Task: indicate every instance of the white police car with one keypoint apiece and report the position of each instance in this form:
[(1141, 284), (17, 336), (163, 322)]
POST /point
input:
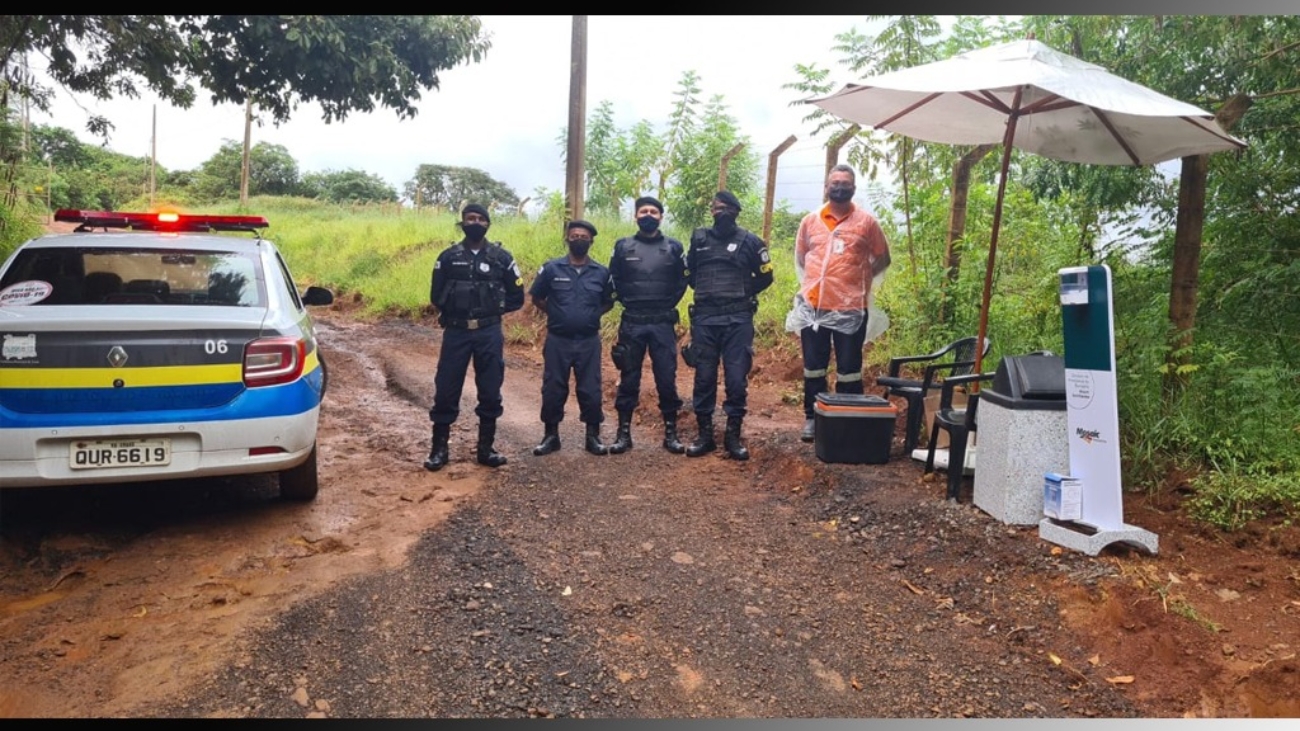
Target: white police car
[(160, 351)]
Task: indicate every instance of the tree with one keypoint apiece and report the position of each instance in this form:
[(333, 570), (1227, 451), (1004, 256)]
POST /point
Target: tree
[(696, 159), (271, 171), (448, 186), (347, 186), (346, 63)]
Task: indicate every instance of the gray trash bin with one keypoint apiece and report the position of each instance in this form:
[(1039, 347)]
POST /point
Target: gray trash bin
[(1022, 436)]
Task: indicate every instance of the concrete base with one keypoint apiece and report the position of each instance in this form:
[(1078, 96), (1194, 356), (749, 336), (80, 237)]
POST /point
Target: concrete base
[(1090, 540), (1020, 446)]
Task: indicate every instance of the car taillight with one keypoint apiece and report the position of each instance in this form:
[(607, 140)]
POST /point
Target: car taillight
[(269, 361)]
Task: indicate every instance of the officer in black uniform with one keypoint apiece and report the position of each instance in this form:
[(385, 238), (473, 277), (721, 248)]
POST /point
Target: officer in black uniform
[(728, 266), (649, 273), (574, 292), (475, 282)]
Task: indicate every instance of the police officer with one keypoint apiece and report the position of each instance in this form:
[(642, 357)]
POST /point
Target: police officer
[(475, 282), (649, 273), (574, 292), (727, 267)]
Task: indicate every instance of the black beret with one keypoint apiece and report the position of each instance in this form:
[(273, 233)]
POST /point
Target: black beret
[(476, 208), (725, 196), (646, 200), (581, 224)]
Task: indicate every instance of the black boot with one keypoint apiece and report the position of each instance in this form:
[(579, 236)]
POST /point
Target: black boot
[(438, 455), (487, 434), (731, 440), (671, 442), (594, 445), (550, 442), (704, 443), (623, 438)]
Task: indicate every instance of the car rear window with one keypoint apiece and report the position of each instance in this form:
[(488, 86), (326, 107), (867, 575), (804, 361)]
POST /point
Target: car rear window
[(100, 276)]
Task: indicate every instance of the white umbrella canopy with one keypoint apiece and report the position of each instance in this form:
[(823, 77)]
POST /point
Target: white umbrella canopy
[(1027, 95)]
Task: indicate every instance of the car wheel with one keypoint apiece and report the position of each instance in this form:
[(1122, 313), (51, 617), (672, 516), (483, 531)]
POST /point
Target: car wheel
[(300, 483), (324, 378)]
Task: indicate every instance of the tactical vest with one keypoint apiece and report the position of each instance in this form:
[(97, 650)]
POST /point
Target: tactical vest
[(721, 273), (472, 292), (650, 275)]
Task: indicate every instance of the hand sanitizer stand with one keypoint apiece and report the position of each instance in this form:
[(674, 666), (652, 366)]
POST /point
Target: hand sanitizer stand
[(1092, 418)]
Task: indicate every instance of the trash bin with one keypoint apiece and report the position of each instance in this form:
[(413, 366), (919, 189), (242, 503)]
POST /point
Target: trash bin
[(1023, 435)]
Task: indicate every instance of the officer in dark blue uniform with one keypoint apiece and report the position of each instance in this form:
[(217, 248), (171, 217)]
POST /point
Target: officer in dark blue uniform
[(649, 273), (475, 282), (574, 292), (728, 266)]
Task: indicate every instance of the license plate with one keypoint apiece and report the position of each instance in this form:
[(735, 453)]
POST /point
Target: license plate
[(120, 453)]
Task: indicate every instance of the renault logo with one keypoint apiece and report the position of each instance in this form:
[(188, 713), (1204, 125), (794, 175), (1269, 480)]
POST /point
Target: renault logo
[(117, 356)]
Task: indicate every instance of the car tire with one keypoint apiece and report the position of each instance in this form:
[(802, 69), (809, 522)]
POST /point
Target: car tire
[(300, 483)]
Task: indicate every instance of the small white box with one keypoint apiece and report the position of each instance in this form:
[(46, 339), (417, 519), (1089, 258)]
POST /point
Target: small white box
[(1062, 496)]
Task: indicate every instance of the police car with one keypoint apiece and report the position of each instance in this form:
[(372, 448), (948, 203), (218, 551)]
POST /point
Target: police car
[(159, 349)]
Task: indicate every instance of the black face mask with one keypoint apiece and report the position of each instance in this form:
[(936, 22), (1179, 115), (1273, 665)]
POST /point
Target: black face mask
[(579, 249), (474, 231), (647, 224), (841, 195), (724, 223)]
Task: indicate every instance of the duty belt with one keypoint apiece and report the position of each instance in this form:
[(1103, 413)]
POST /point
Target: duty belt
[(471, 324), (650, 318), (710, 310)]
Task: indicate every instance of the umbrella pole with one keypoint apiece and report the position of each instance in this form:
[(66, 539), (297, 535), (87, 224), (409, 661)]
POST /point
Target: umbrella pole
[(1007, 139)]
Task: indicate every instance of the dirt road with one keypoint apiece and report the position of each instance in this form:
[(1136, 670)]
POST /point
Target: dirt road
[(635, 585)]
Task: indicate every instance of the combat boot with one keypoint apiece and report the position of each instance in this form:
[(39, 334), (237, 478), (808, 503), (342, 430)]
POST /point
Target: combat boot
[(671, 442), (550, 442), (622, 438), (731, 440), (487, 433), (704, 442), (438, 457), (594, 445)]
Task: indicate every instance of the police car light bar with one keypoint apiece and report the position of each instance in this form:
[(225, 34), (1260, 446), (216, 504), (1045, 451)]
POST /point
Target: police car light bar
[(159, 221)]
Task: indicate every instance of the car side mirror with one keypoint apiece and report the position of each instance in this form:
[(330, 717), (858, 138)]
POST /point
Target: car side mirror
[(317, 296)]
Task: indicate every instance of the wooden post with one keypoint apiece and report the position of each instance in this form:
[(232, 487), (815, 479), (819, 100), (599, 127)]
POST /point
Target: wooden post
[(519, 210), (244, 167), (770, 200), (575, 173), (726, 160), (833, 151), (153, 157)]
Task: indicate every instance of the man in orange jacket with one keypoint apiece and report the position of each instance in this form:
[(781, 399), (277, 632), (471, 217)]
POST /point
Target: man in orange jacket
[(838, 251)]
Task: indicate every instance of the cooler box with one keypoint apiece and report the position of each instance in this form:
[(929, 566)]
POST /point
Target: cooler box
[(853, 428)]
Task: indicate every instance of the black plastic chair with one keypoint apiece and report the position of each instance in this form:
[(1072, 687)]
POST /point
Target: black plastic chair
[(960, 423), (957, 357)]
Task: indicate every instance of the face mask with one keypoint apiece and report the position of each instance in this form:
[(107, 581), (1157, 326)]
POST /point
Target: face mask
[(724, 223), (474, 231), (647, 224), (840, 195), (579, 249)]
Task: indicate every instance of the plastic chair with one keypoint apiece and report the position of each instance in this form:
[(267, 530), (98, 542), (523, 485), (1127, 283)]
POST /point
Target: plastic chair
[(960, 423), (914, 391)]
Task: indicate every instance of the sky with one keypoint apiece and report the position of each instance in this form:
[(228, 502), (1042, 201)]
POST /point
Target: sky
[(506, 114)]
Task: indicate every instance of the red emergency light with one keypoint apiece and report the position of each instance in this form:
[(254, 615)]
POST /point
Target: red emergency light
[(165, 221)]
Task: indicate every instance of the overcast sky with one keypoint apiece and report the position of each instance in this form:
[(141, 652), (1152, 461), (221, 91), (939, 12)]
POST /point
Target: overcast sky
[(505, 114)]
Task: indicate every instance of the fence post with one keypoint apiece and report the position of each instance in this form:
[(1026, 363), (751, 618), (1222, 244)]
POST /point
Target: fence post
[(771, 186), (833, 149), (726, 160)]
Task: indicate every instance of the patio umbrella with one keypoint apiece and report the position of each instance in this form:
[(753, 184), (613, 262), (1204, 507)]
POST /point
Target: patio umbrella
[(1025, 94)]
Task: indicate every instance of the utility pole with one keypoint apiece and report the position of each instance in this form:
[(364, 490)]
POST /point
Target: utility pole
[(153, 157), (243, 170), (575, 173)]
